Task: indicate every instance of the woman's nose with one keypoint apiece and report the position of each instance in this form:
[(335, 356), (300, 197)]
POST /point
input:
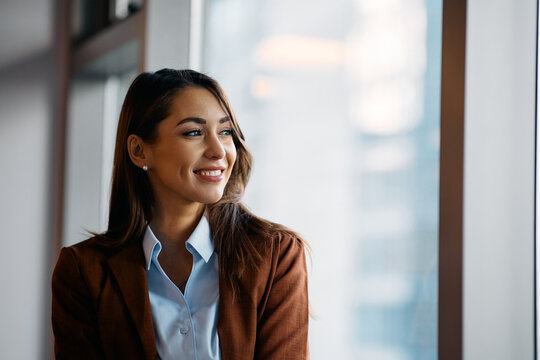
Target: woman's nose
[(214, 147)]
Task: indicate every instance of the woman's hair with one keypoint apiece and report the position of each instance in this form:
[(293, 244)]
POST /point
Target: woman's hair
[(238, 235)]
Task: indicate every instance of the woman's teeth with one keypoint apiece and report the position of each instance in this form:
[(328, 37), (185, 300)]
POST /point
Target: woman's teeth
[(210, 173)]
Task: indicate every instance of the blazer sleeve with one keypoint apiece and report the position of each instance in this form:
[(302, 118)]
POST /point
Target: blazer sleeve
[(74, 319), (283, 327)]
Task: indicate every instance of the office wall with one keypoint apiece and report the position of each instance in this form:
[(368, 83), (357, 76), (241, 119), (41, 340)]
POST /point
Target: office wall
[(26, 128), (499, 180), (167, 34), (25, 145)]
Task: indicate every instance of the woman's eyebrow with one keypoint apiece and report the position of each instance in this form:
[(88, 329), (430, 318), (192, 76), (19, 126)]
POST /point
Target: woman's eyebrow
[(199, 120)]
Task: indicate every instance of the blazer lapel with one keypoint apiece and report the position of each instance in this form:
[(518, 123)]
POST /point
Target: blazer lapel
[(127, 267)]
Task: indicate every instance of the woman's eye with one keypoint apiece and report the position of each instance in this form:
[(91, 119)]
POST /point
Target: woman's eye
[(227, 132), (193, 133)]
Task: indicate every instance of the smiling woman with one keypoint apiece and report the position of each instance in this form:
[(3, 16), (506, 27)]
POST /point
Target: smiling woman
[(184, 269), (193, 154)]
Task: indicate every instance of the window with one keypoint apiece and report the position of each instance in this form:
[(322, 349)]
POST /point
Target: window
[(339, 102)]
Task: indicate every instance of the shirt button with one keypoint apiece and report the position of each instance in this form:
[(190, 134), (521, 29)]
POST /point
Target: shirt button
[(184, 330)]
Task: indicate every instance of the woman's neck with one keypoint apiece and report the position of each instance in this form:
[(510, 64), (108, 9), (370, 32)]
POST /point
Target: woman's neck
[(174, 225)]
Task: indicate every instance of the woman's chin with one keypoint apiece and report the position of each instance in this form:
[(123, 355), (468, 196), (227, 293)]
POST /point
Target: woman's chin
[(210, 199)]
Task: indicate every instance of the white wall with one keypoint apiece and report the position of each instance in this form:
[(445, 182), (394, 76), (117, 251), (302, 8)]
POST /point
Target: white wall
[(499, 180), (84, 133), (26, 104), (25, 128), (167, 34)]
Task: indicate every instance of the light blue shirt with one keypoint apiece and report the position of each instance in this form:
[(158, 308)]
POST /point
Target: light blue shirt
[(185, 324)]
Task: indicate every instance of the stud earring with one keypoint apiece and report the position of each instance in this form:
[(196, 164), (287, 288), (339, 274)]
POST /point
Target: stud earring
[(145, 168)]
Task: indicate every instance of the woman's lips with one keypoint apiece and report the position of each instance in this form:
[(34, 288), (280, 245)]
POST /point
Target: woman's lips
[(210, 175)]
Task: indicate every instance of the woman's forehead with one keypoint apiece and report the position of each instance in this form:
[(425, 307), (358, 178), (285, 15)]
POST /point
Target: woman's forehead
[(197, 101)]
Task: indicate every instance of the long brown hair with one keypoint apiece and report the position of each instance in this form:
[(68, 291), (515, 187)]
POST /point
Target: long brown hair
[(239, 236)]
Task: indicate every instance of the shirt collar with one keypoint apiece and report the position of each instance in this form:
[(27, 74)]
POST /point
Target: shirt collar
[(199, 241)]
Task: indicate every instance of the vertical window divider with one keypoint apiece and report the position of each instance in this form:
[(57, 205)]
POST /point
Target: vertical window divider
[(536, 184), (450, 311)]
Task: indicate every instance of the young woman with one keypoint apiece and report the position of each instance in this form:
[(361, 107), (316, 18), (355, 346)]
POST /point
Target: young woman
[(184, 270)]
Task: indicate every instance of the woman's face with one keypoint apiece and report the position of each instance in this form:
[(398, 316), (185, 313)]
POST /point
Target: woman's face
[(193, 154)]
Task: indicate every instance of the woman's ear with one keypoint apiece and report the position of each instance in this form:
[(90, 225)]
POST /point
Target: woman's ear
[(137, 151)]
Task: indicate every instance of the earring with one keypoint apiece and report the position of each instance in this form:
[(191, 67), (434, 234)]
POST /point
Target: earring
[(145, 168)]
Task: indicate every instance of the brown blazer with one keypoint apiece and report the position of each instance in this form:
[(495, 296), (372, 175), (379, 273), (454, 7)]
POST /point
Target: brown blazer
[(101, 308)]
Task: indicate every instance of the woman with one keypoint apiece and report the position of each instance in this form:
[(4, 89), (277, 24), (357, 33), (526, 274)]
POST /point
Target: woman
[(184, 270)]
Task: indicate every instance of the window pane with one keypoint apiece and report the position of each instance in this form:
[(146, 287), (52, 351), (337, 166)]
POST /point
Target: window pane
[(339, 102)]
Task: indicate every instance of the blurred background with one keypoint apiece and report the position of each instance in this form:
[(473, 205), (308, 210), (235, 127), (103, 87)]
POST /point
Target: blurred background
[(339, 101)]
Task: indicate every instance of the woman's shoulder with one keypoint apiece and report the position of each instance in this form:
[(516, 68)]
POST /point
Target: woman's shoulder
[(281, 234), (92, 252), (284, 245), (282, 258), (91, 259), (285, 239), (77, 264), (95, 246)]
